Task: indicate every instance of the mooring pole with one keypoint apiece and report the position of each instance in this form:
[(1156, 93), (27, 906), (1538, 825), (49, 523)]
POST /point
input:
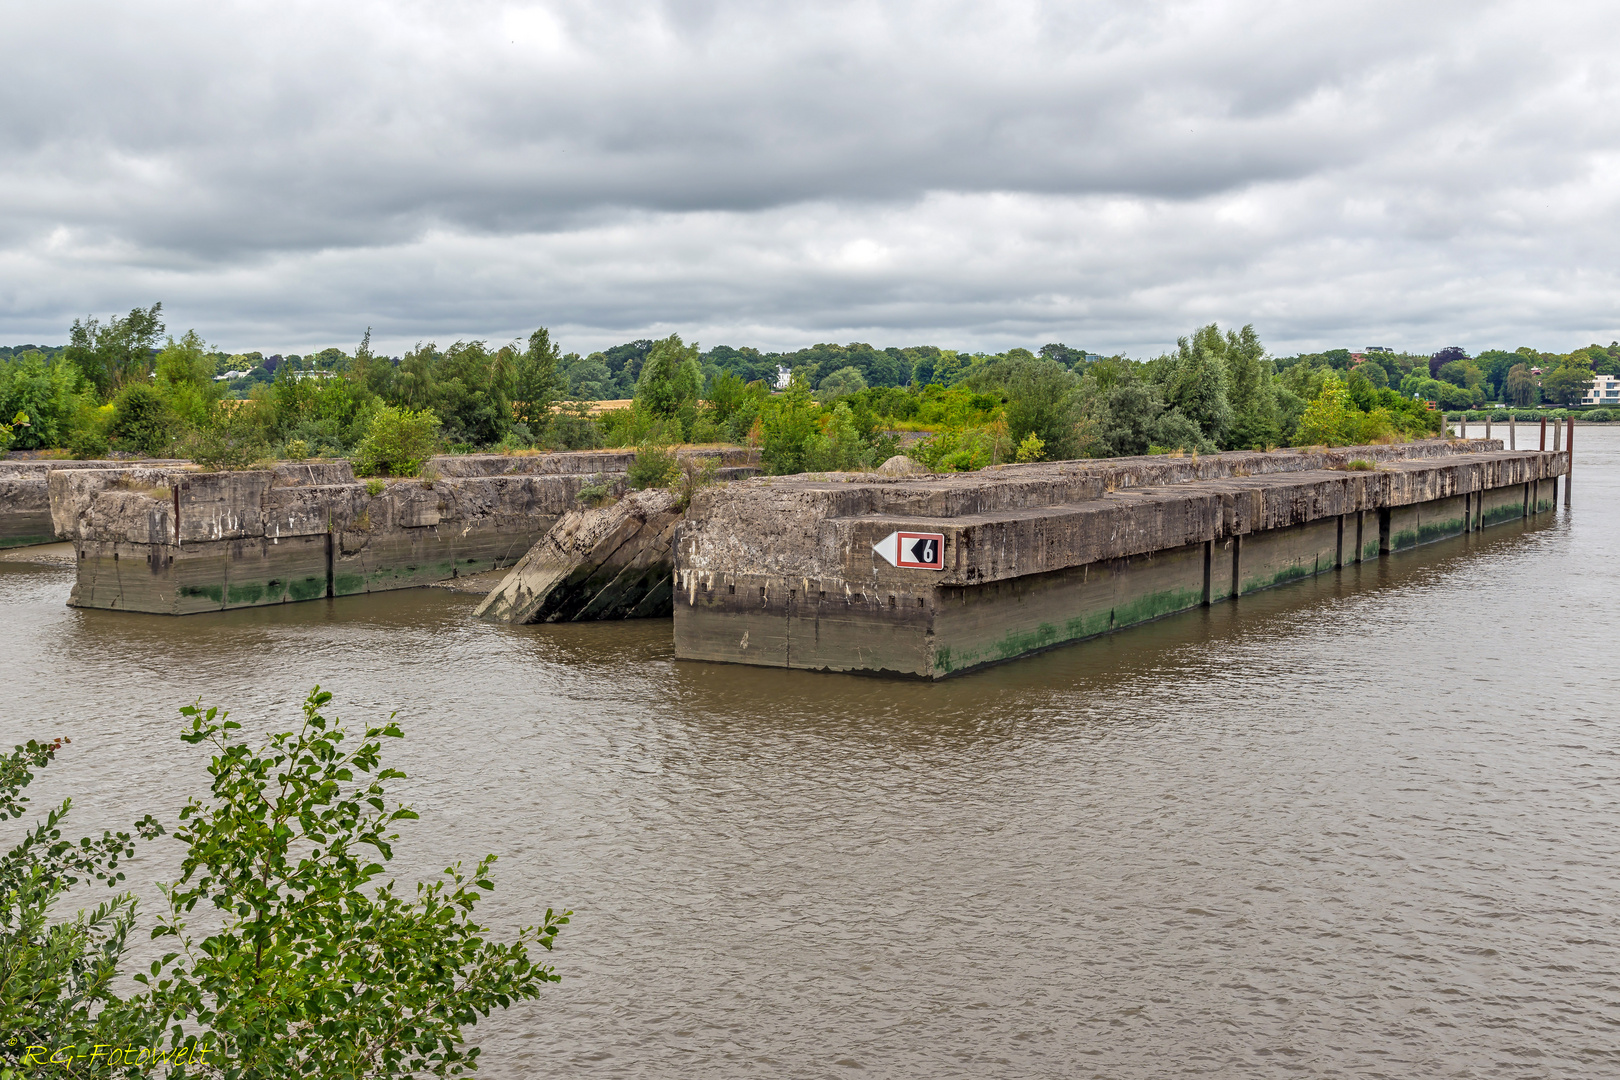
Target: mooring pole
[(1513, 433), (1557, 439), (1543, 433), (1487, 425), (1569, 466)]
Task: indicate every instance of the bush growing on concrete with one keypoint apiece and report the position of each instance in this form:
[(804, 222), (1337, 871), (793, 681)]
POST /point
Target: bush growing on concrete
[(142, 422), (231, 439), (654, 466), (397, 443), (1031, 449), (691, 476)]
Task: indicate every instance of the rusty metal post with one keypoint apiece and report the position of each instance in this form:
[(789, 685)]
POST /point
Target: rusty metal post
[(1569, 466), (1543, 433)]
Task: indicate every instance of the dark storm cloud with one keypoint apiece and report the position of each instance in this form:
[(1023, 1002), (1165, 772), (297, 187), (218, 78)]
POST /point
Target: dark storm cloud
[(981, 173)]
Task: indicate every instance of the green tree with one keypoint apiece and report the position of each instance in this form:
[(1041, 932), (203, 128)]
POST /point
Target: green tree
[(118, 352), (670, 379), (398, 442), (788, 428), (185, 378), (1332, 419), (316, 969), (1519, 387), (535, 381), (47, 392), (841, 383), (1251, 392), (142, 421), (838, 447), (1195, 382), (1463, 373), (56, 977), (1567, 384), (1041, 401), (370, 372), (1125, 421), (1174, 430)]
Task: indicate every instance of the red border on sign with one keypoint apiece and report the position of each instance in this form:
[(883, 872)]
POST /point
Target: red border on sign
[(900, 551)]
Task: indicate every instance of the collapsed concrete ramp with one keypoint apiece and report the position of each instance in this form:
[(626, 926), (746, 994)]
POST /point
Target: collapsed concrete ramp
[(609, 562)]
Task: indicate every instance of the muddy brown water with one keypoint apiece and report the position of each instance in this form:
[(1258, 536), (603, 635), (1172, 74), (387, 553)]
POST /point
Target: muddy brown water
[(1363, 825)]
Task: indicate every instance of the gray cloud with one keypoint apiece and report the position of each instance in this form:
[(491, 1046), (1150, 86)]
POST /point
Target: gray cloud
[(1108, 174)]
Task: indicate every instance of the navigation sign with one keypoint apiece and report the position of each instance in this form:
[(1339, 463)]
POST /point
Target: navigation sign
[(913, 550)]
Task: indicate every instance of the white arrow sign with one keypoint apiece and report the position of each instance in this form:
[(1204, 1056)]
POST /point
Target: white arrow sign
[(913, 550)]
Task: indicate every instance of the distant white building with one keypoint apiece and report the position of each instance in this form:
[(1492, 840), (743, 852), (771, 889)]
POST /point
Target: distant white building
[(1605, 391), (783, 378)]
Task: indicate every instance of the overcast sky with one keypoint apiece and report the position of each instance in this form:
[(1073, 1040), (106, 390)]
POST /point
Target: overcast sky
[(1110, 175)]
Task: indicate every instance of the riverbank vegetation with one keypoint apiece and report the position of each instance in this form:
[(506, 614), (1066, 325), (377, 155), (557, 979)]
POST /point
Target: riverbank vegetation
[(304, 962), (124, 386)]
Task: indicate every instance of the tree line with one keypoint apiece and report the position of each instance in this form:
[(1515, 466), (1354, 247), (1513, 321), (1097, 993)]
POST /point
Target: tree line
[(124, 385)]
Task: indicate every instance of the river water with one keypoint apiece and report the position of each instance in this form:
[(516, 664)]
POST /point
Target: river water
[(1362, 825)]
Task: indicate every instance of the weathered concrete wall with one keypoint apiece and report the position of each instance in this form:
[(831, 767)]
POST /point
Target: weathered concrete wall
[(25, 501), (609, 562), (178, 541), (781, 571)]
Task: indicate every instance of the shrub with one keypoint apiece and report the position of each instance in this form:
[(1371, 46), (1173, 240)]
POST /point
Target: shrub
[(311, 964), (230, 440), (375, 488), (705, 429), (1359, 465), (692, 475), (57, 977), (572, 428), (963, 450), (596, 492), (786, 429), (654, 466), (397, 442), (44, 394), (1031, 449), (91, 423), (838, 446), (142, 423), (841, 383)]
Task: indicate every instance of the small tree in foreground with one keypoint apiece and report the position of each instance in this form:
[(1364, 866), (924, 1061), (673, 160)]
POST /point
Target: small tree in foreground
[(56, 977), (317, 970)]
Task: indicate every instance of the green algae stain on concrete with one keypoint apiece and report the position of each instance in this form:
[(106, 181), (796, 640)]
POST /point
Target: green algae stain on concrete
[(216, 593), (26, 541), (1156, 605), (307, 588), (1496, 515), (1084, 626), (348, 584), (948, 660), (247, 594), (1016, 644), (1292, 572)]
